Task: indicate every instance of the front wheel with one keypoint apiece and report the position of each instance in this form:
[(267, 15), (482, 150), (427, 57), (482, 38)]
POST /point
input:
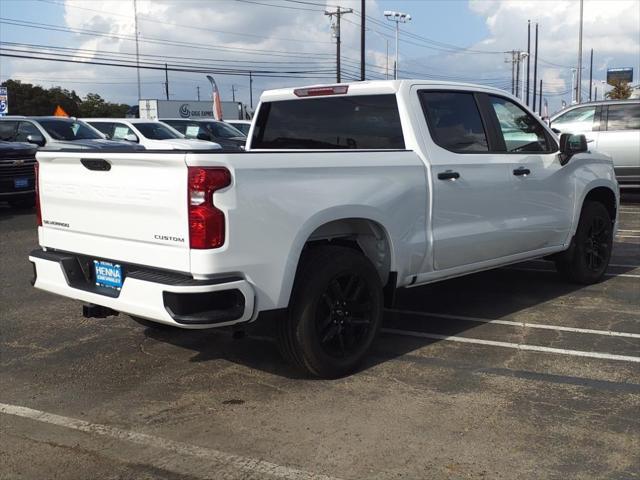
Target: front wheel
[(335, 312), (588, 256)]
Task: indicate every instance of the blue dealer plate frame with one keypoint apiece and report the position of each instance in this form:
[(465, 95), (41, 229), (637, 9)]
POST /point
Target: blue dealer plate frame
[(108, 274)]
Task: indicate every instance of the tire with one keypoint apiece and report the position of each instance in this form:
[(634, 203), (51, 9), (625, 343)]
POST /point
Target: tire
[(588, 257), (23, 203), (335, 312)]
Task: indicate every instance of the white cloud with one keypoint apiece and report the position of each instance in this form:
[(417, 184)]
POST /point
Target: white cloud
[(611, 28)]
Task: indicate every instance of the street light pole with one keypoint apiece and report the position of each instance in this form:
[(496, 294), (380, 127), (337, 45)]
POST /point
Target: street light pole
[(397, 17)]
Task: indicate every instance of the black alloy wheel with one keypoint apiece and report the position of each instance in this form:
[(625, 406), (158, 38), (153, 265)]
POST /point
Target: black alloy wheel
[(344, 316)]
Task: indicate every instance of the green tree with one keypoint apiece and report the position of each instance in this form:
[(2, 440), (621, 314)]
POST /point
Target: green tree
[(28, 99), (93, 105), (620, 91)]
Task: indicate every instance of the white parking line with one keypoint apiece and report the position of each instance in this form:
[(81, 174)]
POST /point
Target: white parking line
[(524, 269), (628, 230), (517, 346), (627, 236), (238, 462), (541, 326)]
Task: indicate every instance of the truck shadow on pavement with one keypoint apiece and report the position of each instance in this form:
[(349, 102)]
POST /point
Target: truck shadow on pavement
[(490, 295)]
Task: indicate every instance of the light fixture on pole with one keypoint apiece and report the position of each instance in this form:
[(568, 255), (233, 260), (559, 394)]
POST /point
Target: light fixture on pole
[(399, 18)]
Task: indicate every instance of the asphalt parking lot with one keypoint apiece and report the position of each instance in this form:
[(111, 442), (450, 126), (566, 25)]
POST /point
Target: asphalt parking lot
[(507, 374)]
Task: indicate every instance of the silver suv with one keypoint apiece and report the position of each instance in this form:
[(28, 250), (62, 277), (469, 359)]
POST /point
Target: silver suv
[(611, 127), (57, 133)]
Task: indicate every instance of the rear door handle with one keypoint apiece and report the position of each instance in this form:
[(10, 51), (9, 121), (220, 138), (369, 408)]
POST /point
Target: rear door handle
[(522, 171), (448, 175)]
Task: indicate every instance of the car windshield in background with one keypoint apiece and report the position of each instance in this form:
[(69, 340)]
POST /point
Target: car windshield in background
[(69, 130), (157, 131), (224, 130), (364, 122)]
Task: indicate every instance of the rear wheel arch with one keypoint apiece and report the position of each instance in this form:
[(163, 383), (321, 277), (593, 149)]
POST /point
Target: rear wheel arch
[(365, 235)]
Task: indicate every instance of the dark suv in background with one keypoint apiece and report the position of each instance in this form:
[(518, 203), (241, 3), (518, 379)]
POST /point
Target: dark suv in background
[(17, 174)]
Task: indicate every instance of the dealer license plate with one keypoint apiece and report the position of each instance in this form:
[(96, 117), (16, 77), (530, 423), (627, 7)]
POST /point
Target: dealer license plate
[(107, 274)]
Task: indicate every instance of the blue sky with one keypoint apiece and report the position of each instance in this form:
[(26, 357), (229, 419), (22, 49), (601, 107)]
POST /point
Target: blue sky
[(612, 28)]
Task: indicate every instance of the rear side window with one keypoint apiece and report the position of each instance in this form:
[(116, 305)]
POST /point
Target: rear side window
[(454, 121), (624, 117), (362, 122)]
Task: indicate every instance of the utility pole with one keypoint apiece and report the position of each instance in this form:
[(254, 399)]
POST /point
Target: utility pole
[(250, 90), (540, 105), (518, 75), (198, 92), (166, 80), (535, 72), (336, 33), (135, 23), (233, 92), (513, 72), (362, 39), (386, 66), (528, 56), (579, 77), (574, 90), (596, 91), (591, 74), (399, 18)]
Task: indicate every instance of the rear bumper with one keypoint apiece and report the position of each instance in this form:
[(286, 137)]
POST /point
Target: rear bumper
[(163, 297)]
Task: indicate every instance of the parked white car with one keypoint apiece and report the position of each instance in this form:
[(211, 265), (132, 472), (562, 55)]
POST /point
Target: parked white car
[(151, 134), (345, 194)]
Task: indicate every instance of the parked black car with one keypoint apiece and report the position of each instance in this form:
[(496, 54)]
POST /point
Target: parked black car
[(17, 174)]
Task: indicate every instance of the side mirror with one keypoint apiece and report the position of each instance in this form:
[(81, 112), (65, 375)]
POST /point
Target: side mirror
[(203, 136), (131, 138), (36, 139), (570, 144)]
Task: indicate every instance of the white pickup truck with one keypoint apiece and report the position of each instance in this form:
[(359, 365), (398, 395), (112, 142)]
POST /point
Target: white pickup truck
[(345, 193)]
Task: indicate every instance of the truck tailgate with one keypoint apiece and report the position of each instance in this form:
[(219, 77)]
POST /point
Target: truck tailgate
[(129, 207)]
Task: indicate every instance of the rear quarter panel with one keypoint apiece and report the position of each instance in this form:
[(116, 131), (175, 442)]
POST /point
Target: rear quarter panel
[(277, 199)]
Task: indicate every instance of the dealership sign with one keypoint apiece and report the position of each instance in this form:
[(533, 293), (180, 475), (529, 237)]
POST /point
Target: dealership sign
[(4, 101), (619, 75)]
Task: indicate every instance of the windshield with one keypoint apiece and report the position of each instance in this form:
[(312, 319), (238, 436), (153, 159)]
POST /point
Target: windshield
[(69, 130), (224, 130), (157, 131)]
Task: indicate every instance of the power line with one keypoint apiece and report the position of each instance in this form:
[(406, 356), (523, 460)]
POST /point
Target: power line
[(153, 40), (192, 27)]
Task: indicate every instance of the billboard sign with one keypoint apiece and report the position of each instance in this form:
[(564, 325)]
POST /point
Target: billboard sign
[(4, 101), (619, 75)]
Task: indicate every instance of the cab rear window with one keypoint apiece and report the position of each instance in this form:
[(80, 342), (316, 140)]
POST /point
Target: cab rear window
[(351, 122)]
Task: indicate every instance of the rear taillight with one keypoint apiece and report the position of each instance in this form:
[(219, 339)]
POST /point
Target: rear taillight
[(206, 222), (37, 180)]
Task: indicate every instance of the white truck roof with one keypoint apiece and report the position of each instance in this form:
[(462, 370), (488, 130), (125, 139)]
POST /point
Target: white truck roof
[(369, 87)]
